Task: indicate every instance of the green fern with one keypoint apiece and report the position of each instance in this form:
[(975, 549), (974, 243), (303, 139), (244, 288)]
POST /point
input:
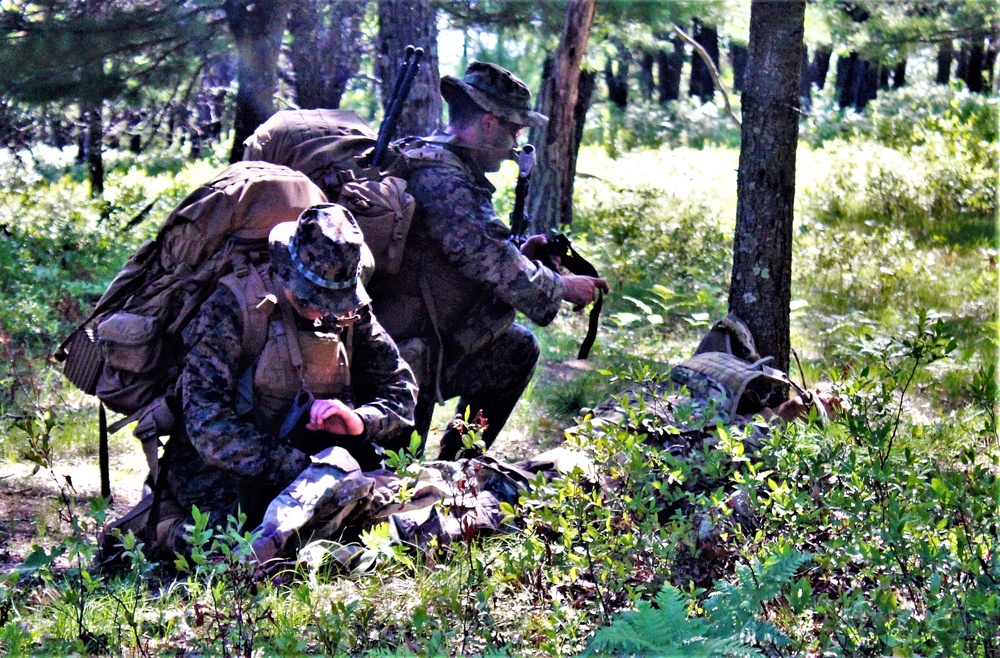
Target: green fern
[(730, 629), (733, 607)]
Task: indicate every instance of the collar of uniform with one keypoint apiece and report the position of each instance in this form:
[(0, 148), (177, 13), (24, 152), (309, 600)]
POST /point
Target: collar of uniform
[(464, 154), (477, 172)]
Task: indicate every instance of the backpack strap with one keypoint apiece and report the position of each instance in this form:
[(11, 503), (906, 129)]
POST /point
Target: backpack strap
[(428, 153), (257, 303)]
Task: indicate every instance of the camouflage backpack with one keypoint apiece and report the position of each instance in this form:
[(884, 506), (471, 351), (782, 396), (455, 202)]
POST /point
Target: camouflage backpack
[(334, 148), (128, 352), (724, 382)]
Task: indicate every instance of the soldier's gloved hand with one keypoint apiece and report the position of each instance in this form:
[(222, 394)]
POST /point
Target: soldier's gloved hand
[(334, 417), (534, 249), (582, 290)]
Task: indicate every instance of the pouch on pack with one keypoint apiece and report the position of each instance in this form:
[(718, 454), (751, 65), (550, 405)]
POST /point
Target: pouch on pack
[(334, 149)]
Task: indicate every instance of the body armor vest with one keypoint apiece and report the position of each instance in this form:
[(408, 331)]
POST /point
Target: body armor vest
[(285, 360)]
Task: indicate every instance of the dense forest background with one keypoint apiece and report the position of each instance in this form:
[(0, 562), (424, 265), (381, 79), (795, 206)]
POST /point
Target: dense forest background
[(872, 534)]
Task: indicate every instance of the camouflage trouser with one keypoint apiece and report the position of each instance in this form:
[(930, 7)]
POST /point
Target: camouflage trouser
[(490, 381), (446, 501)]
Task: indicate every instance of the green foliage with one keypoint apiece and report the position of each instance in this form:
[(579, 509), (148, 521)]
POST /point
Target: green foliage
[(731, 627), (896, 502), (658, 243)]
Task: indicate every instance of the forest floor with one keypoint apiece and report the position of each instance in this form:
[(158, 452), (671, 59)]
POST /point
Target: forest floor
[(32, 505)]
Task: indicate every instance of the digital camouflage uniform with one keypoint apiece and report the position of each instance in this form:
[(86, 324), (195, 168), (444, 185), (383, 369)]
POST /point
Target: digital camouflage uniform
[(459, 287), (229, 453)]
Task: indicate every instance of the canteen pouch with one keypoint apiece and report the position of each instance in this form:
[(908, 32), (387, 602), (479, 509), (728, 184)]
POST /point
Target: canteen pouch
[(130, 342)]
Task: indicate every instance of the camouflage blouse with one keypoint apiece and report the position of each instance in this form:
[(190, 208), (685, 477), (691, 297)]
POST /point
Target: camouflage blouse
[(219, 446)]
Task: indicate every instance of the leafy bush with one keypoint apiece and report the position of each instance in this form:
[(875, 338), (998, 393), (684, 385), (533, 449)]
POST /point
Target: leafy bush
[(906, 117), (644, 125)]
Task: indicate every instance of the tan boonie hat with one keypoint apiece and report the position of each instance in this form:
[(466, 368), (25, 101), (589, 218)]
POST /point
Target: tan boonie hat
[(496, 90), (319, 259)]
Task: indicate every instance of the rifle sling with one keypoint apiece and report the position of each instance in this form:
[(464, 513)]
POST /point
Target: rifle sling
[(577, 264)]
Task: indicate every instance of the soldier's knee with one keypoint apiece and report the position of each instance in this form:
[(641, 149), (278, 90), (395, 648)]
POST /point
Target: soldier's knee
[(523, 345)]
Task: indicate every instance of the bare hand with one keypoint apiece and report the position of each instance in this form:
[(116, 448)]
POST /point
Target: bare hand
[(582, 290), (534, 249), (334, 417)]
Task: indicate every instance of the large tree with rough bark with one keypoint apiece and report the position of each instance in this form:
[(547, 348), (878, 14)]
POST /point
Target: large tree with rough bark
[(761, 284), (257, 27), (326, 48), (550, 201), (402, 23)]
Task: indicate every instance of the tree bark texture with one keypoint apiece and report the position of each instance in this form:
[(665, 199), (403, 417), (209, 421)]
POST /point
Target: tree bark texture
[(974, 68), (702, 85), (820, 65), (899, 74), (670, 64), (761, 284), (617, 80), (325, 50), (646, 85), (944, 57), (92, 113), (585, 93), (402, 23), (550, 201), (94, 148), (257, 27), (805, 82), (738, 55), (857, 81)]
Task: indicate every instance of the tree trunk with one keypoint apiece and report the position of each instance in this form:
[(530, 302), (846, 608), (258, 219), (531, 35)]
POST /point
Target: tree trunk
[(402, 23), (92, 114), (738, 55), (962, 69), (550, 200), (325, 50), (990, 60), (820, 65), (617, 81), (761, 284), (702, 85), (899, 74), (867, 84), (805, 82), (257, 28), (974, 71), (94, 142), (846, 79), (944, 57), (585, 92), (670, 65), (646, 85)]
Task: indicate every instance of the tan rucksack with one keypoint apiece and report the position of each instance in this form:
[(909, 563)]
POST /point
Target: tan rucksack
[(128, 352), (334, 149)]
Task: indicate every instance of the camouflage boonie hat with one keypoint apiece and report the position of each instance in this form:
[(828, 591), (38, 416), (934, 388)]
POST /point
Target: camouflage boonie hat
[(318, 259), (496, 90)]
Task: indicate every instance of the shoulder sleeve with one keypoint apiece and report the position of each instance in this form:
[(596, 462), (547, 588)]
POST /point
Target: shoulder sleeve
[(461, 220), (208, 388), (384, 385)]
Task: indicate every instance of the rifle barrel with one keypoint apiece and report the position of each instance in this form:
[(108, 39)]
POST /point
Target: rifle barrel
[(401, 89)]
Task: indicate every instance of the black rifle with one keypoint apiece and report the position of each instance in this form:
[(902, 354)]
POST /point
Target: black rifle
[(556, 244), (400, 90)]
